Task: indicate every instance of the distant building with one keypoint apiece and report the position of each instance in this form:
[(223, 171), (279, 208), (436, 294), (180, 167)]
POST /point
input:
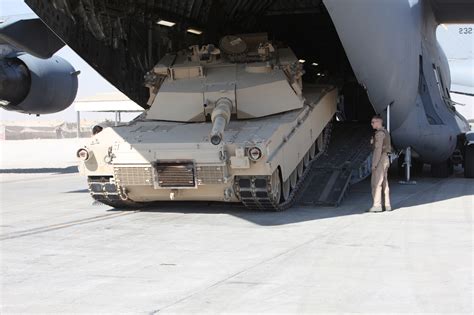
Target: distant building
[(114, 102)]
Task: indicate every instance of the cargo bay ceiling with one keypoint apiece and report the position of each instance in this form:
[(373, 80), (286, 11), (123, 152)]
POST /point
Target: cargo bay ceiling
[(122, 40)]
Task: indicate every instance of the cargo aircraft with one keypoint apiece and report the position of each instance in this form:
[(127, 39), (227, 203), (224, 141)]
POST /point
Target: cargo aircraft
[(383, 56)]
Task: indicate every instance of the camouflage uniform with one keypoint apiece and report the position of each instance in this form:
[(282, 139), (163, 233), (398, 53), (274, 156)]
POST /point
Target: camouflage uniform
[(380, 164)]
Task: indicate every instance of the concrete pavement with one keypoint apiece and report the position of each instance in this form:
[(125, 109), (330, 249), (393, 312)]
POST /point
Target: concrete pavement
[(62, 254)]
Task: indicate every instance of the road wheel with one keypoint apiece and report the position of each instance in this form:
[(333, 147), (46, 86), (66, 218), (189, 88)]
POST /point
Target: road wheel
[(286, 189), (300, 169), (306, 159), (312, 151), (293, 178), (320, 142), (275, 188)]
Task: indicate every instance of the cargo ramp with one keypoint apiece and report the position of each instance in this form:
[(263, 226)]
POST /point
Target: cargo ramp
[(347, 160)]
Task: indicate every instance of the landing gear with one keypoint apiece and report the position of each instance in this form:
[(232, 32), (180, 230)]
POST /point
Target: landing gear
[(469, 162), (443, 169), (407, 164), (416, 166)]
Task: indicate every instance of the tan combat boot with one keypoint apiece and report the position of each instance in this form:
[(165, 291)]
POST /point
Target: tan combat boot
[(376, 209)]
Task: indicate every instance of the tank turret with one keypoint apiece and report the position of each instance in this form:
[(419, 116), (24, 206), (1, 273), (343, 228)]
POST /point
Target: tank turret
[(259, 79)]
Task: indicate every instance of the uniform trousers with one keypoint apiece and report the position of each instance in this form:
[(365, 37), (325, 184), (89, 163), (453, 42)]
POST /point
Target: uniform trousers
[(379, 182)]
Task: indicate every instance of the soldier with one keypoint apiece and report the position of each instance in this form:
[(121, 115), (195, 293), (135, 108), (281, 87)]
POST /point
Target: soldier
[(380, 163)]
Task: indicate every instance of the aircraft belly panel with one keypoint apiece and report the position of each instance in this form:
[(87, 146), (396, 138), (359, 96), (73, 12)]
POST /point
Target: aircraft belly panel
[(382, 43)]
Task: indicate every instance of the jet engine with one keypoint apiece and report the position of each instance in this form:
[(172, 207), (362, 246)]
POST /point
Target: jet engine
[(37, 86)]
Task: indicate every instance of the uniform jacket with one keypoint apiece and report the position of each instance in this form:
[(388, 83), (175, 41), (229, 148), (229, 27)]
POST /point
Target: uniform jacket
[(382, 146)]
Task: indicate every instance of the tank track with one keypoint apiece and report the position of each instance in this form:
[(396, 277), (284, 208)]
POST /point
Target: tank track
[(255, 191), (103, 191)]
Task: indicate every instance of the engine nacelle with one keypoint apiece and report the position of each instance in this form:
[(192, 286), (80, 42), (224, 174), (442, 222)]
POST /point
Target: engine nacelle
[(37, 86)]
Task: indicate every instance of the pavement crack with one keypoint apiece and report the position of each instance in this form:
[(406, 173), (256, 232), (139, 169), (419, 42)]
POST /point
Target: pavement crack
[(283, 253), (59, 226), (418, 193)]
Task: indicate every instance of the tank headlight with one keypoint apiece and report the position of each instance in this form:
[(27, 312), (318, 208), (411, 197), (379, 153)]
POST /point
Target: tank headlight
[(255, 153), (83, 154)]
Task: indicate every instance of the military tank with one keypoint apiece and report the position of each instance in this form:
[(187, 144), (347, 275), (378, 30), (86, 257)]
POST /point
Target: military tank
[(228, 123)]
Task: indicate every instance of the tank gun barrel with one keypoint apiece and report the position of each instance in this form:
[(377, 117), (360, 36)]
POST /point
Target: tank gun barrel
[(220, 118)]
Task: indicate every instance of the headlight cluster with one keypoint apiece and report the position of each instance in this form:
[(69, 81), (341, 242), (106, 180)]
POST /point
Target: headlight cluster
[(254, 153), (83, 154)]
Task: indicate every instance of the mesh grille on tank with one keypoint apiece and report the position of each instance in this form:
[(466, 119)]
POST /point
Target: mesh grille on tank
[(175, 174), (210, 174), (133, 176)]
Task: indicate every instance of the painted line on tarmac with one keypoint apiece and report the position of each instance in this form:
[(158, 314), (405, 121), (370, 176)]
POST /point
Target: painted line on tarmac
[(59, 226)]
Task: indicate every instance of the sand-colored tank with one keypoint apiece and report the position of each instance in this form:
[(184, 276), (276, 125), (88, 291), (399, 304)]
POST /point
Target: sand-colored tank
[(229, 124)]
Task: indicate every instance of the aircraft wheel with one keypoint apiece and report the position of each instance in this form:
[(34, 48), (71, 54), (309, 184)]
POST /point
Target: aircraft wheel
[(469, 162), (442, 170)]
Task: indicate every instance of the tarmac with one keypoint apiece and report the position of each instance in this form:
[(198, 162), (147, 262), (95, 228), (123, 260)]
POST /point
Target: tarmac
[(60, 253)]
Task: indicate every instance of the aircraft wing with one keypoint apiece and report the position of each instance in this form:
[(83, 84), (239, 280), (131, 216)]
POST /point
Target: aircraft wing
[(462, 79), (462, 89), (453, 11), (31, 36)]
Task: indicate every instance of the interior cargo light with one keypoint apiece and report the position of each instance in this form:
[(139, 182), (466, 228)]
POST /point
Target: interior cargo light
[(166, 23), (83, 154), (194, 31), (302, 61), (255, 154), (315, 64)]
